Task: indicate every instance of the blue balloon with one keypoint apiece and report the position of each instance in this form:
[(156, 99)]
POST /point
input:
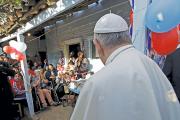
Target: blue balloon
[(163, 15)]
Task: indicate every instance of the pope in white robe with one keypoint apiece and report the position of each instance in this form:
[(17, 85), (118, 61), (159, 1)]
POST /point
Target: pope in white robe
[(130, 86)]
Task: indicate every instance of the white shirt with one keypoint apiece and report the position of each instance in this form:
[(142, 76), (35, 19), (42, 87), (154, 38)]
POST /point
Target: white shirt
[(130, 87)]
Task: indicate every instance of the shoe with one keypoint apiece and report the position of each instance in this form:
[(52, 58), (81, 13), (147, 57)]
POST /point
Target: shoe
[(44, 105), (54, 104)]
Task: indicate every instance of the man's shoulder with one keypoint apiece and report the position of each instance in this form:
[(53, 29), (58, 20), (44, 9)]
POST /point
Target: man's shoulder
[(106, 73)]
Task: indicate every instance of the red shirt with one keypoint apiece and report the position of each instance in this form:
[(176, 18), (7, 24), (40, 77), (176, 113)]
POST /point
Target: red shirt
[(17, 86), (60, 68), (31, 72)]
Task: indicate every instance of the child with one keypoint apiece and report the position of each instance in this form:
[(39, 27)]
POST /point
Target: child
[(18, 85), (70, 67), (60, 68), (72, 75)]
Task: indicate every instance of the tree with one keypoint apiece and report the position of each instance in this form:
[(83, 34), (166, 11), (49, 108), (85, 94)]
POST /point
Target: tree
[(15, 3)]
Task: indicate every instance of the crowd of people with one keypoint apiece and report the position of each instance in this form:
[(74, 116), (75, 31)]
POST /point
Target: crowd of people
[(46, 78)]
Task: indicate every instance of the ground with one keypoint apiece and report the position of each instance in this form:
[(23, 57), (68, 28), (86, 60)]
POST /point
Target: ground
[(54, 113)]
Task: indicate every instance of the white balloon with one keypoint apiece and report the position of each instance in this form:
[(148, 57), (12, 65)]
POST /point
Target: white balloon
[(13, 43), (13, 55), (19, 46)]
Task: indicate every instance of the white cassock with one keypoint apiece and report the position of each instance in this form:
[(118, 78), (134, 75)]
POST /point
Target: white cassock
[(130, 87)]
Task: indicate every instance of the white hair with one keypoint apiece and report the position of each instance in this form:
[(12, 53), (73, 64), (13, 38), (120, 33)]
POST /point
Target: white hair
[(113, 39)]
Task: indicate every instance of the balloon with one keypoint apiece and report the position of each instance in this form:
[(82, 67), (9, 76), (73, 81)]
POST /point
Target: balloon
[(20, 56), (165, 43), (13, 43), (13, 55), (20, 46), (8, 49), (163, 16)]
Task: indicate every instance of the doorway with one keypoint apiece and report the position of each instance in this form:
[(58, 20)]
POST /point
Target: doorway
[(43, 56), (75, 48)]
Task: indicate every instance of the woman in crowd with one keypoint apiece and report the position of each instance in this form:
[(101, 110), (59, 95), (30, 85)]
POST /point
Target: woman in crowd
[(71, 57), (70, 67), (61, 60), (45, 63), (31, 71), (41, 85), (36, 66), (17, 85), (72, 75), (51, 74), (81, 65), (60, 68)]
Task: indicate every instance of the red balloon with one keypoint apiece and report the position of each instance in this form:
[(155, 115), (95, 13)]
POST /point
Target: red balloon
[(20, 56), (8, 49), (179, 32), (131, 17), (165, 43)]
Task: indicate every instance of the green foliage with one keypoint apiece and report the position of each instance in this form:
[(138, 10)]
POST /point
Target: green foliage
[(17, 2), (11, 2)]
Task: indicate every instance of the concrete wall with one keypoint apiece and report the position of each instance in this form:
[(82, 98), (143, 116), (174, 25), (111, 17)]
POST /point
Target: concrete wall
[(81, 26), (34, 45)]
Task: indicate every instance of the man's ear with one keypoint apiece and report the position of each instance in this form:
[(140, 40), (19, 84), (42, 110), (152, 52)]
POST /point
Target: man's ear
[(96, 44), (98, 47)]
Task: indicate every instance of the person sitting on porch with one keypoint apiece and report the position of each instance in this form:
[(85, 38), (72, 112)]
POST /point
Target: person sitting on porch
[(70, 67), (36, 66), (17, 85), (42, 88), (71, 57), (51, 74), (81, 65), (60, 68), (45, 63), (72, 75)]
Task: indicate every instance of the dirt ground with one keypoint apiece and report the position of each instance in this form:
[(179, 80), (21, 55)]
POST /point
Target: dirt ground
[(54, 113)]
